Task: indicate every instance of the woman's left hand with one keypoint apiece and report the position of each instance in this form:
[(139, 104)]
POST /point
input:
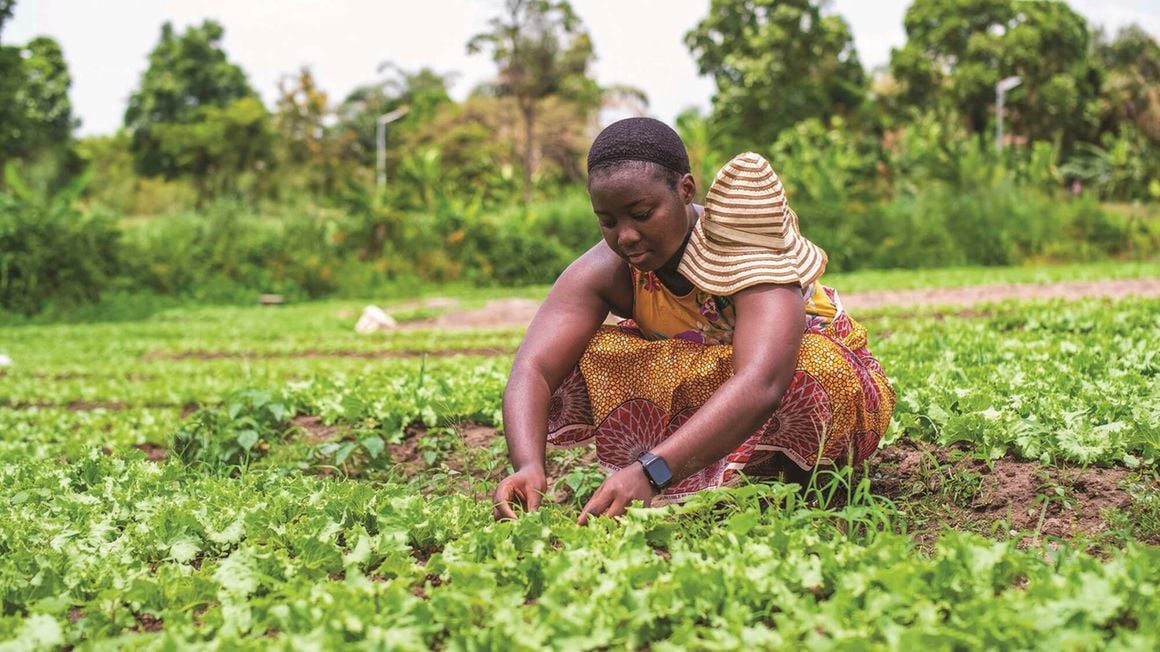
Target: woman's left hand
[(617, 492)]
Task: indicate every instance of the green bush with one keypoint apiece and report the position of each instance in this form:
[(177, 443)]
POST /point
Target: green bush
[(230, 254), (1003, 224), (51, 252)]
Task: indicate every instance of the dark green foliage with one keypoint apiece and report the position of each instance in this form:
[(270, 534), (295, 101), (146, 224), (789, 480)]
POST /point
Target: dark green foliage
[(50, 251), (1131, 85), (230, 254), (776, 63), (957, 50), (6, 8), (235, 433), (35, 111), (194, 112), (944, 226)]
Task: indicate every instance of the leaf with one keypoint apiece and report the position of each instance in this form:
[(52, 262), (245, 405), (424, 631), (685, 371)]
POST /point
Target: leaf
[(344, 452), (374, 446), (247, 439), (184, 550), (278, 411)]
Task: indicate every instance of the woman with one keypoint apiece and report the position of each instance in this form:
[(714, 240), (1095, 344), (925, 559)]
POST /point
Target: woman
[(732, 356)]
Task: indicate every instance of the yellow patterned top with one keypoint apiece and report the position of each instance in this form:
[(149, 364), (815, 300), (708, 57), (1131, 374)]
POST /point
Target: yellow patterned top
[(703, 317)]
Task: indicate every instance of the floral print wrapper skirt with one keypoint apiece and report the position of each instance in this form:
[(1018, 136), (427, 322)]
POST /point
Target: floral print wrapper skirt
[(629, 393)]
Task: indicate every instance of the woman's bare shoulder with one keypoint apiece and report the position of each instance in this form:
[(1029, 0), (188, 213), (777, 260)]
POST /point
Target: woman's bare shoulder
[(598, 274)]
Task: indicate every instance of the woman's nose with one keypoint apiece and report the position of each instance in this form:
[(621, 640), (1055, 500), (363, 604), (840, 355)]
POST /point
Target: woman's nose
[(626, 237)]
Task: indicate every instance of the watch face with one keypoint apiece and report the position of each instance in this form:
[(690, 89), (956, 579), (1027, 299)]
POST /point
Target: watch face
[(663, 476), (657, 471)]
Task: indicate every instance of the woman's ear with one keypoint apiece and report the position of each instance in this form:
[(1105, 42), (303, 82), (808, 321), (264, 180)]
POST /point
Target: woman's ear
[(687, 187)]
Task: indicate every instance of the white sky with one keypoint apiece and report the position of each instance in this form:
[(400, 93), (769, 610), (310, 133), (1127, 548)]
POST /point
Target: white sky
[(638, 42)]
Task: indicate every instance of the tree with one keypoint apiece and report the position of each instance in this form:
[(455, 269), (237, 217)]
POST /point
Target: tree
[(957, 50), (6, 9), (35, 111), (188, 78), (1131, 88), (776, 63), (541, 50), (423, 91), (311, 152), (44, 94), (216, 149)]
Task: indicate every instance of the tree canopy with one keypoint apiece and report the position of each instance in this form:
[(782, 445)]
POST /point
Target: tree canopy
[(188, 74), (957, 50), (776, 63), (1131, 90), (35, 110), (541, 50)]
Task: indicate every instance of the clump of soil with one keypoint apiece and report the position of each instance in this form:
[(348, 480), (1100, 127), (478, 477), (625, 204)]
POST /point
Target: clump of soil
[(316, 431), (155, 452)]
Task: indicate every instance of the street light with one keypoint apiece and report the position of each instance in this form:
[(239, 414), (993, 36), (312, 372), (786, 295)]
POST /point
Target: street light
[(381, 142), (1001, 91)]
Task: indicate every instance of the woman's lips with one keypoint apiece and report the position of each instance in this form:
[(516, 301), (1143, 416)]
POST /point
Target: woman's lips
[(637, 256)]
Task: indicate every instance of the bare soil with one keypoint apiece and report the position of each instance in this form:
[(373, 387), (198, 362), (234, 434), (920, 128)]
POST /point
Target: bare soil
[(518, 313), (316, 431), (312, 354), (501, 313), (155, 452), (952, 488), (968, 296)]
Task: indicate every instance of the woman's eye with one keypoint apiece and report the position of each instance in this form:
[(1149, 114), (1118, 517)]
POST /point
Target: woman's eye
[(642, 216)]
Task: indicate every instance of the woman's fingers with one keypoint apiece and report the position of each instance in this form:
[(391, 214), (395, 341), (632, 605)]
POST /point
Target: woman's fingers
[(618, 507), (596, 505), (534, 498), (503, 497)]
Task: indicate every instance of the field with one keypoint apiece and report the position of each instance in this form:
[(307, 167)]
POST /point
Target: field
[(264, 477)]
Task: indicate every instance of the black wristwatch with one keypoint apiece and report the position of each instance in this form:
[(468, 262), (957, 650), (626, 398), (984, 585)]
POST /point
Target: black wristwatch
[(656, 470)]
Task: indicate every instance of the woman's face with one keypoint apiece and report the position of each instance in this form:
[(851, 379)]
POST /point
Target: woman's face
[(642, 219)]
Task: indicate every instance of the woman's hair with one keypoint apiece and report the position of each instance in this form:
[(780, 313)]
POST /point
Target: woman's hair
[(642, 144)]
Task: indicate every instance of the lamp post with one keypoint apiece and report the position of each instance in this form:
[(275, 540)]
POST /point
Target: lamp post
[(1001, 92), (381, 142)]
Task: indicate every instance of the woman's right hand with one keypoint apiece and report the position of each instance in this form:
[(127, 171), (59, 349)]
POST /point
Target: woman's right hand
[(525, 487)]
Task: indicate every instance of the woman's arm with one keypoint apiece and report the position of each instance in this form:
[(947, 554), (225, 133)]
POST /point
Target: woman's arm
[(577, 305), (766, 341)]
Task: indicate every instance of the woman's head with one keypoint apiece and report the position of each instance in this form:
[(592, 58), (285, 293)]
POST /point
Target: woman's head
[(641, 189)]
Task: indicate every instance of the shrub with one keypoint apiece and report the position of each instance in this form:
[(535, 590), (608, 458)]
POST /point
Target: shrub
[(51, 252), (230, 254)]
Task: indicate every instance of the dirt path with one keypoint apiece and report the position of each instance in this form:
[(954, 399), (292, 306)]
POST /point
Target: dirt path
[(518, 313), (969, 296)]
